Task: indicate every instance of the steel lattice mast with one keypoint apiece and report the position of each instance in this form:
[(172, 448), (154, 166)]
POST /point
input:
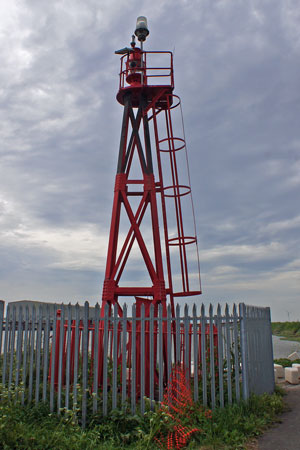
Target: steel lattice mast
[(146, 94)]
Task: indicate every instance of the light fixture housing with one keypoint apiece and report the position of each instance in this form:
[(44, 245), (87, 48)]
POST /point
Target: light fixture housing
[(141, 30)]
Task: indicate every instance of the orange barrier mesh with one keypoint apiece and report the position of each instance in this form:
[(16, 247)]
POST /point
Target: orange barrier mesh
[(177, 404)]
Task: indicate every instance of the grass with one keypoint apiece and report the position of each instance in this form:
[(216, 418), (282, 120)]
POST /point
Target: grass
[(285, 362), (288, 330), (34, 427), (290, 338)]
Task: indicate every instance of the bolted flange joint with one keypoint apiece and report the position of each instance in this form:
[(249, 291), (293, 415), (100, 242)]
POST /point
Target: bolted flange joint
[(149, 184), (159, 290), (108, 290), (121, 181)]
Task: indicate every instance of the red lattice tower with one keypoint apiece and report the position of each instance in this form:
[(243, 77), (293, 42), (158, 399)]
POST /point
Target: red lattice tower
[(148, 189)]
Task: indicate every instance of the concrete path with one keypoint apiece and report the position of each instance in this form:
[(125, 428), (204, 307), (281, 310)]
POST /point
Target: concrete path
[(285, 435)]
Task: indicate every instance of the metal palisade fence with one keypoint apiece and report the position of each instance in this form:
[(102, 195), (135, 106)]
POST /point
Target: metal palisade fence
[(76, 359)]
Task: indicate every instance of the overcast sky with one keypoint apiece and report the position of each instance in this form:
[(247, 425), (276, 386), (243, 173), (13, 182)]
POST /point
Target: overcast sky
[(237, 71)]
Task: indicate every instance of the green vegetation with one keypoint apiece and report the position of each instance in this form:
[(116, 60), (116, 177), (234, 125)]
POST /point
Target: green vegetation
[(289, 330), (285, 362), (33, 427)]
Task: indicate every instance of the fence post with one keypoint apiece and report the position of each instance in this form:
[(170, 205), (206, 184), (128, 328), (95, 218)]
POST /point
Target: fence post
[(96, 358), (105, 352), (228, 354), (31, 357), (60, 357), (142, 360), (195, 343), (151, 355), (38, 354), (133, 361), (85, 349), (19, 345), (244, 350), (169, 342), (270, 349), (5, 349), (220, 356), (124, 365), (46, 353), (53, 359), (12, 347), (68, 363), (160, 354), (186, 362), (178, 337), (236, 354), (212, 358), (115, 356), (203, 355), (76, 356), (1, 323), (25, 351)]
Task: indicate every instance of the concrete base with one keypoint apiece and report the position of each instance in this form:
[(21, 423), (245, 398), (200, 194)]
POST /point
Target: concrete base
[(294, 356), (297, 366), (291, 375), (279, 370)]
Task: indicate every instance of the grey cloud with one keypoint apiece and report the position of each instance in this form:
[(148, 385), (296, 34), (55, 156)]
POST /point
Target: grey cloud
[(237, 71)]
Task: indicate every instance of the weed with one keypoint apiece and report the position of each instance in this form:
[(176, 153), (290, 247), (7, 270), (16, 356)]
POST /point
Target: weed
[(287, 329), (285, 362), (35, 427)]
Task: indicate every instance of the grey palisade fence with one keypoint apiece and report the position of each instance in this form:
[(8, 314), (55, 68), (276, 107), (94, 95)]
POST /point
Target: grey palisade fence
[(72, 357)]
